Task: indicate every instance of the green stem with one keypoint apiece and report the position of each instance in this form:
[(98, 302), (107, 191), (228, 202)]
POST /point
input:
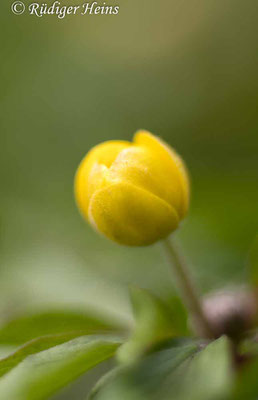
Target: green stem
[(190, 298)]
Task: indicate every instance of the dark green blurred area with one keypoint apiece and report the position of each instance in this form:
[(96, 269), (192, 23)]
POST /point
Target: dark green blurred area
[(187, 71)]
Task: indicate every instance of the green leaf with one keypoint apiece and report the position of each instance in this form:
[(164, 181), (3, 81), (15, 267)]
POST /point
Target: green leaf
[(179, 315), (33, 347), (178, 373), (155, 321), (207, 376), (104, 381), (248, 347), (143, 379), (28, 327), (246, 386), (252, 262), (42, 374)]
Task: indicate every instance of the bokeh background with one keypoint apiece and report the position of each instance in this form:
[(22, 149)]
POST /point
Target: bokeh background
[(187, 71)]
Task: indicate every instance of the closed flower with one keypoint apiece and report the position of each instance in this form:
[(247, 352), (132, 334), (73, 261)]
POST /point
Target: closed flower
[(133, 193)]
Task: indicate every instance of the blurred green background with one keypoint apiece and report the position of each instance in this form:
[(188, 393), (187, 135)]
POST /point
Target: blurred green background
[(187, 71)]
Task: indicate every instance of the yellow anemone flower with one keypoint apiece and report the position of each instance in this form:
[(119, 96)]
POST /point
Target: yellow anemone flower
[(133, 193)]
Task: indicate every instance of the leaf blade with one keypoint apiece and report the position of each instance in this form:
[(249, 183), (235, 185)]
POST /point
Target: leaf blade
[(32, 347), (43, 374), (142, 380), (53, 322), (156, 321)]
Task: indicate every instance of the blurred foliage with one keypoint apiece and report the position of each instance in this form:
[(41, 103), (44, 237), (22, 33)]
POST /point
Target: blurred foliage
[(186, 71), (172, 374), (30, 327), (44, 373), (145, 379), (252, 262), (246, 386), (155, 322), (33, 347)]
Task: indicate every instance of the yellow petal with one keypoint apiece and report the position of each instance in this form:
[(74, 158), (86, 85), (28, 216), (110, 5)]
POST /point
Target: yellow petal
[(130, 215), (144, 168), (92, 169), (173, 162)]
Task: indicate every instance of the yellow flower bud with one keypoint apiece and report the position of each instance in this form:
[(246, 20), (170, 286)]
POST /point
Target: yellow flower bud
[(133, 193)]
